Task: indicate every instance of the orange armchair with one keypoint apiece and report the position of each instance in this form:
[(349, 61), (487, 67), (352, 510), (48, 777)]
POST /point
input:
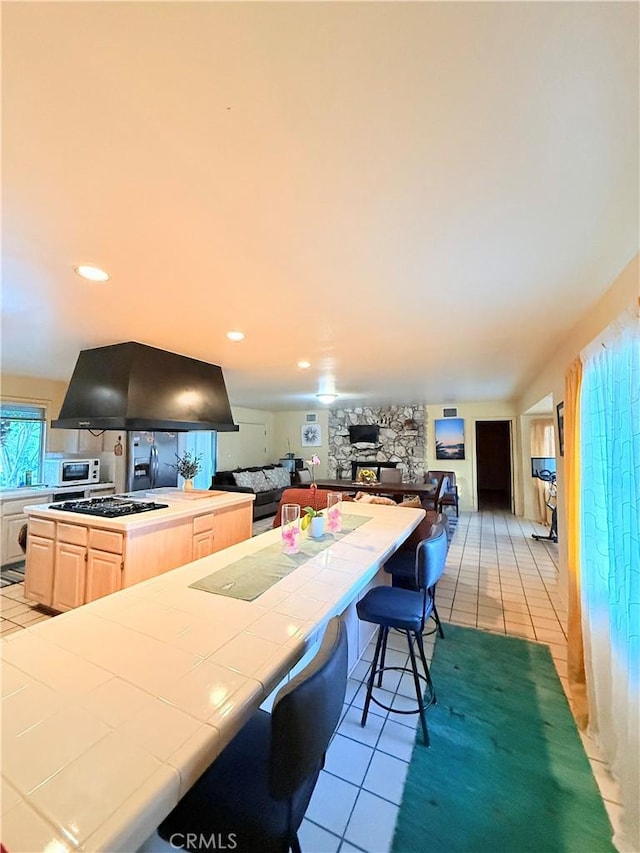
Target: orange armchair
[(303, 497)]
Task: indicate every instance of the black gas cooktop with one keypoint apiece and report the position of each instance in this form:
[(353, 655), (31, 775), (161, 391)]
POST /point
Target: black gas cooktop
[(108, 507)]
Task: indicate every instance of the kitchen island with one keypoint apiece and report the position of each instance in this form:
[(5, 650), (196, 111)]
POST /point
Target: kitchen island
[(74, 558), (112, 711), (13, 516)]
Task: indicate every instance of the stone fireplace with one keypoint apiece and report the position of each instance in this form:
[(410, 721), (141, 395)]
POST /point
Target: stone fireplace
[(401, 440)]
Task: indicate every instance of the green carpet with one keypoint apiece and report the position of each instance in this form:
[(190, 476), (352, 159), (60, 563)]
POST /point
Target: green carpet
[(506, 770)]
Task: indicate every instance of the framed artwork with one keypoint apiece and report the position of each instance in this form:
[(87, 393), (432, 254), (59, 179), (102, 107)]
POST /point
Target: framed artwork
[(449, 434), (560, 414), (311, 418), (310, 435)]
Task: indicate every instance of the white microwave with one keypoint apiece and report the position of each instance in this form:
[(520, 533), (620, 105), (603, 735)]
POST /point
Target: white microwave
[(71, 472)]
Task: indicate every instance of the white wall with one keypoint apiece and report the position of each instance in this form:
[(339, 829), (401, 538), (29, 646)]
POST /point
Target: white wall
[(288, 436), (252, 445), (466, 469), (624, 293)]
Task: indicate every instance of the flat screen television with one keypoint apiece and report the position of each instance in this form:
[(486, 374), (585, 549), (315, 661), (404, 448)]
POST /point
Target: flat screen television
[(364, 433), (542, 463)]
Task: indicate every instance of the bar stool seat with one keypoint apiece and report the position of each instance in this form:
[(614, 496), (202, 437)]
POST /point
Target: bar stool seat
[(406, 610), (392, 607)]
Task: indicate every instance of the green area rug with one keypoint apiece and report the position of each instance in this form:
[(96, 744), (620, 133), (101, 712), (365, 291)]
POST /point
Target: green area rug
[(506, 770)]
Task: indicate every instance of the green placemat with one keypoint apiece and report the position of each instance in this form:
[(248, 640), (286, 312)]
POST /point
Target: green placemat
[(254, 574)]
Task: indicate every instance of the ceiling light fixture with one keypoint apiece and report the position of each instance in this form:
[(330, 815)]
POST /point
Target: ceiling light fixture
[(304, 365), (326, 398), (91, 273), (235, 336)]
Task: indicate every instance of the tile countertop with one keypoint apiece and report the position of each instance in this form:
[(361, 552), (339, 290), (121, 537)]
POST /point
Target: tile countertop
[(37, 491), (110, 712), (176, 508)]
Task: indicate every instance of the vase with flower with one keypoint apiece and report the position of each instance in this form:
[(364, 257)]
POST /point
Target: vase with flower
[(314, 517), (188, 465)]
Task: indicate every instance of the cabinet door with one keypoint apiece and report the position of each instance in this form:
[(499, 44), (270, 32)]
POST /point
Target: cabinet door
[(233, 525), (203, 544), (104, 574), (39, 569), (11, 525), (69, 576)]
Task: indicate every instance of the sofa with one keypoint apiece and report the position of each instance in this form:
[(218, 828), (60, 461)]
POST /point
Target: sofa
[(266, 482)]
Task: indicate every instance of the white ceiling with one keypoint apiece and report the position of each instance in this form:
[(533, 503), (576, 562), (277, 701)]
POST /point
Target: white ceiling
[(418, 198)]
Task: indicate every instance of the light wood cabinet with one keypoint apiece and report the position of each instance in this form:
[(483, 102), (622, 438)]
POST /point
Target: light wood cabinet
[(104, 574), (232, 526), (69, 576), (203, 544), (41, 560), (13, 516), (71, 564), (203, 535)]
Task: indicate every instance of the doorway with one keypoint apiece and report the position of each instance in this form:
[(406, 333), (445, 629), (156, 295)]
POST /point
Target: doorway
[(493, 456)]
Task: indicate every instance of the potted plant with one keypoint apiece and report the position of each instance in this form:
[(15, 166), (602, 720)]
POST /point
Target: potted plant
[(313, 518), (188, 465)]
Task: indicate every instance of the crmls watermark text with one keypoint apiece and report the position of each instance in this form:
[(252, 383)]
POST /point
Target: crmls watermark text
[(200, 841)]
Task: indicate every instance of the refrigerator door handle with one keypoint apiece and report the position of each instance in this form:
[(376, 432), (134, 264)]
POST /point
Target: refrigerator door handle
[(154, 466)]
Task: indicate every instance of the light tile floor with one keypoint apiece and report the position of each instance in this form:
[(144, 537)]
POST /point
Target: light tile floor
[(497, 579)]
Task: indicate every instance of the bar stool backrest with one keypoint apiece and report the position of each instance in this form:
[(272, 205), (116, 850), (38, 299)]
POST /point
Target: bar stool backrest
[(431, 557), (306, 713)]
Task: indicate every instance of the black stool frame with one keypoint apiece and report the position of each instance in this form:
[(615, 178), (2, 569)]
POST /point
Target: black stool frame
[(381, 649)]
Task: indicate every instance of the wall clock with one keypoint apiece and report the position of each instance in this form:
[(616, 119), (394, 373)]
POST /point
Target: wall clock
[(311, 435)]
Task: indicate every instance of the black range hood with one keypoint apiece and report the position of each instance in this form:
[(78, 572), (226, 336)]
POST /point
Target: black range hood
[(132, 386)]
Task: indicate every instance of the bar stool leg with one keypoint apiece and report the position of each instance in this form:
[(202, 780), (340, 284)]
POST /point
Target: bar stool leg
[(384, 653), (435, 614), (372, 675), (416, 681), (427, 674)]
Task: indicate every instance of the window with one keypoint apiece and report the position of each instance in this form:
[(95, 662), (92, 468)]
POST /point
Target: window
[(22, 436)]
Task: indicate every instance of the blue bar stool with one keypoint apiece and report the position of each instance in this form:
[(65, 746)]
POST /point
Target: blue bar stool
[(402, 568), (406, 610), (255, 794)]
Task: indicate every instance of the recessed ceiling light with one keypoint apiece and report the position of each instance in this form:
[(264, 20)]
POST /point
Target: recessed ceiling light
[(235, 336), (305, 365), (326, 398), (92, 273)]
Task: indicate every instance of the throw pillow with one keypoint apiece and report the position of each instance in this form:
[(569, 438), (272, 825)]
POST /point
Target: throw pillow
[(415, 501), (365, 498), (259, 482), (278, 478), (243, 478)]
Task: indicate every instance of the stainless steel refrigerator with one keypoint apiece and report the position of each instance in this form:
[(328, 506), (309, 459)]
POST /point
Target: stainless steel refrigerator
[(150, 457)]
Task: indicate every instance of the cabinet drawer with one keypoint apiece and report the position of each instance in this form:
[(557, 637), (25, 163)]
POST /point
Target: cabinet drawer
[(203, 523), (106, 540), (72, 533), (41, 527)]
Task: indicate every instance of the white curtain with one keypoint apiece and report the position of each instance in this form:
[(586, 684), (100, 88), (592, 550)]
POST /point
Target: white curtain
[(542, 438), (610, 556)]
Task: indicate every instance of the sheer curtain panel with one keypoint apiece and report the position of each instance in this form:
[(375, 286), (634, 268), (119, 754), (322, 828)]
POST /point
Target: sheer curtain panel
[(610, 556)]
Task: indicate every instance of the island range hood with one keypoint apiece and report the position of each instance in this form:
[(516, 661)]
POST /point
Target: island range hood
[(132, 386)]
